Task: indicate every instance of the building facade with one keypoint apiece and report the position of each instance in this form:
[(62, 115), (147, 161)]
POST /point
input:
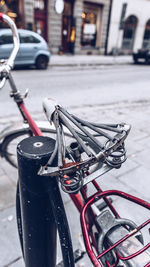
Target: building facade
[(135, 32), (81, 28)]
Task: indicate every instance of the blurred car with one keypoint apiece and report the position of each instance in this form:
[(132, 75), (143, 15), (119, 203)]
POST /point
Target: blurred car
[(33, 48), (142, 54)]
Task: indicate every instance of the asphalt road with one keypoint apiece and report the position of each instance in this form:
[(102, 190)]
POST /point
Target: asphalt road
[(74, 87)]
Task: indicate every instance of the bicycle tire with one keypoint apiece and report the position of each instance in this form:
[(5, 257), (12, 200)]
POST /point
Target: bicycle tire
[(10, 142)]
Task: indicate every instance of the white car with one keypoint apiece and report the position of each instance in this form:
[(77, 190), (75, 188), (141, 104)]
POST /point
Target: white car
[(33, 48)]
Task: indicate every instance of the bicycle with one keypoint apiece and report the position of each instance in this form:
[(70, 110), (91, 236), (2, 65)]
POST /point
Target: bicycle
[(43, 162)]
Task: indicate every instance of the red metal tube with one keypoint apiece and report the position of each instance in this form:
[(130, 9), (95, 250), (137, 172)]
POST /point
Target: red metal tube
[(1, 16), (32, 124), (107, 201), (93, 199), (123, 239), (134, 254), (77, 200)]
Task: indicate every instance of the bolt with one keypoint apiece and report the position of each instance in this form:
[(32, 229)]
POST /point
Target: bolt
[(38, 144)]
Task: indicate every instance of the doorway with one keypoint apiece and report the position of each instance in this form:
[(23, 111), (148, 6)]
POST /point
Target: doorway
[(40, 18), (68, 28)]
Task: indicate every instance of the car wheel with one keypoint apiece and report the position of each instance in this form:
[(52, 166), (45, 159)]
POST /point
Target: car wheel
[(135, 60), (146, 60), (41, 62)]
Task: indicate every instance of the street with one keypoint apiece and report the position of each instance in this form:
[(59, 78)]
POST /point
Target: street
[(99, 94), (75, 87)]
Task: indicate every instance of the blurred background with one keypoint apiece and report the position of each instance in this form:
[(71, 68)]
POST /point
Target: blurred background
[(84, 27)]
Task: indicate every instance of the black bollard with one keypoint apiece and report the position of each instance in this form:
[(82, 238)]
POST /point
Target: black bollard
[(37, 220), (40, 207)]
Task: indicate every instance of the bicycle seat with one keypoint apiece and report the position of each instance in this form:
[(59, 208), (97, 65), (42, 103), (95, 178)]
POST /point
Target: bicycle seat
[(106, 141)]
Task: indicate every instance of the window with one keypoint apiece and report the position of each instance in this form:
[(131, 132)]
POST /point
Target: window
[(29, 39), (129, 33), (146, 40), (88, 36), (6, 39), (39, 4), (91, 25)]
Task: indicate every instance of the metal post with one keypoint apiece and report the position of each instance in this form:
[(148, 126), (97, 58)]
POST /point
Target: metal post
[(37, 219), (42, 210), (62, 224)]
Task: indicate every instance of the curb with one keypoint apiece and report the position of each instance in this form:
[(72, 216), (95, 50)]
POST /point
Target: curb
[(89, 64), (81, 61)]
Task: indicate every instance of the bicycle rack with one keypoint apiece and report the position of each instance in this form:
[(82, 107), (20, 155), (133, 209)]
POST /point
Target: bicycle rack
[(98, 259)]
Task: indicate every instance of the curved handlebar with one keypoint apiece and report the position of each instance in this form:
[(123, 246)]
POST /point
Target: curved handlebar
[(7, 65)]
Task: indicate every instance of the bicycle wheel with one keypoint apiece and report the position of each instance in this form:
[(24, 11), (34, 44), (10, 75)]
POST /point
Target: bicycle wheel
[(11, 141)]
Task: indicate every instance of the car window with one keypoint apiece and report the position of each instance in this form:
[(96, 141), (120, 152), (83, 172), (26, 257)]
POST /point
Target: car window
[(6, 39), (29, 39)]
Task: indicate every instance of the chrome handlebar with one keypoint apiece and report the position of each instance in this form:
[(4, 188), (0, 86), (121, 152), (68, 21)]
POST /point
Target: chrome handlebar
[(7, 65)]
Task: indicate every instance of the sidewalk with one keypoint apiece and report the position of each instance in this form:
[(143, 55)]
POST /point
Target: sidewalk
[(88, 60), (132, 177)]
